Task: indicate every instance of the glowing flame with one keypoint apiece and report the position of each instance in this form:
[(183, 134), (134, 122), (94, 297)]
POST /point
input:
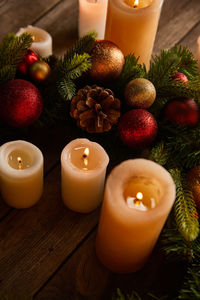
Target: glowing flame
[(139, 196), (85, 156), (19, 159), (136, 3)]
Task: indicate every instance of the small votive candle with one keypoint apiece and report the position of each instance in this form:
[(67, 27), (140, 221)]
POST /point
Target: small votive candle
[(138, 197), (132, 25), (42, 40), (21, 170), (92, 16), (83, 169)]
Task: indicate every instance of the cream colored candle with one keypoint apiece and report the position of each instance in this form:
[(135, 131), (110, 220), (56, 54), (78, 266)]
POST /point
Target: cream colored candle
[(198, 52), (42, 40), (132, 25), (83, 169), (138, 197), (92, 16), (21, 170)]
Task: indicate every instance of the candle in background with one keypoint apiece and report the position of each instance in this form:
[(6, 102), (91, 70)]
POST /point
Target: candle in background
[(138, 197), (83, 169), (198, 52), (132, 25), (92, 16), (21, 172), (42, 40)]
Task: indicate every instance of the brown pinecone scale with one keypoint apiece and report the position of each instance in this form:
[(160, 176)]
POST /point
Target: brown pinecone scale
[(95, 109)]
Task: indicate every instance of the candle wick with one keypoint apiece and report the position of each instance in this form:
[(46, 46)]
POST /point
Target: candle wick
[(84, 156)]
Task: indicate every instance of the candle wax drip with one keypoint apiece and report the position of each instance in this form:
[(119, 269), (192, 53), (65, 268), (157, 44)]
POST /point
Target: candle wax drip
[(141, 193), (19, 160)]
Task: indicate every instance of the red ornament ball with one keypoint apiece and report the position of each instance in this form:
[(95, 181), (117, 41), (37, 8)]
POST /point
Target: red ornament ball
[(182, 111), (137, 128), (27, 61), (20, 103), (180, 77)]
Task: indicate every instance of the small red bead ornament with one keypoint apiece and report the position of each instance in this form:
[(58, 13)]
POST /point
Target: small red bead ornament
[(27, 61), (182, 111), (137, 128), (180, 77)]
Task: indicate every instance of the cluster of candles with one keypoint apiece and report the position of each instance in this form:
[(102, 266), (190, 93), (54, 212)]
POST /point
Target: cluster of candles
[(138, 196)]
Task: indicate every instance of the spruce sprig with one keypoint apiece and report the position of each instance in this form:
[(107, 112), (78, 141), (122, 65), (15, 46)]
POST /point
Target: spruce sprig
[(185, 212)]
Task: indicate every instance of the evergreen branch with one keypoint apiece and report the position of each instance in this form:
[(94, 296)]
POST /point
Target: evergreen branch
[(120, 296), (159, 154), (66, 88), (185, 212), (191, 288), (7, 73), (77, 65)]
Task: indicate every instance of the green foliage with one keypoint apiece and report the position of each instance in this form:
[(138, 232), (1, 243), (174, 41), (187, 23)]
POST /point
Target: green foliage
[(12, 50), (133, 296), (185, 212), (191, 287)]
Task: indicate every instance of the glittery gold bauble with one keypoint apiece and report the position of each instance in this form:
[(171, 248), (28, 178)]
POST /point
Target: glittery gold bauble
[(39, 71), (140, 93), (107, 62), (193, 178)]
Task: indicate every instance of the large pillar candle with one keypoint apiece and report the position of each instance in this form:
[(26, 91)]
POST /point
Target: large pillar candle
[(138, 197), (92, 16), (132, 25), (42, 40), (21, 173), (83, 169)]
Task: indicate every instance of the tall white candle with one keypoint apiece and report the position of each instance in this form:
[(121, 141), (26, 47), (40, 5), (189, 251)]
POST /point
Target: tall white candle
[(21, 173), (83, 169), (92, 16), (42, 40), (138, 197)]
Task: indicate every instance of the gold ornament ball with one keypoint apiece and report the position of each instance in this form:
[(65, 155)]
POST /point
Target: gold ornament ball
[(193, 178), (39, 71), (107, 61), (140, 93)]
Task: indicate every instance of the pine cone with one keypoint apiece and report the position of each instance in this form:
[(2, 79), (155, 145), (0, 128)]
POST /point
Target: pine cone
[(95, 109)]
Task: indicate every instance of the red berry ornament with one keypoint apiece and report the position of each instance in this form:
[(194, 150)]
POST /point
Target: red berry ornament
[(27, 61), (137, 128), (20, 103), (180, 77), (182, 111)]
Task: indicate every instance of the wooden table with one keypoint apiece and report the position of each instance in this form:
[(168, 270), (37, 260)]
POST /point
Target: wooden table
[(47, 251)]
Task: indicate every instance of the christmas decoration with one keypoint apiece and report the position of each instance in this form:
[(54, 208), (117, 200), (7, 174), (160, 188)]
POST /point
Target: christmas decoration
[(140, 93), (180, 77), (29, 58), (182, 111), (95, 109), (137, 128), (193, 178), (20, 103), (107, 62), (176, 147), (39, 71)]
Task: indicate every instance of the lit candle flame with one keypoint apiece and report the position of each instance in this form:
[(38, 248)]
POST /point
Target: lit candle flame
[(139, 197), (19, 159), (85, 157), (136, 3)]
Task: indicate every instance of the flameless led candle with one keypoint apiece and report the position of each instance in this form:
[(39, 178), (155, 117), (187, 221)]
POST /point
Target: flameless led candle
[(138, 197), (83, 169), (21, 170), (92, 16), (42, 40), (132, 25)]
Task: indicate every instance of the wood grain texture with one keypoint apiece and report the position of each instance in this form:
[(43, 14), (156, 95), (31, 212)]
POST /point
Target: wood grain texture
[(34, 242)]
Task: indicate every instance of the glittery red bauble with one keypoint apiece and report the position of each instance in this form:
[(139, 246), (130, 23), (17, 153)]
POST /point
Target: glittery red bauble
[(180, 77), (137, 128), (20, 103), (27, 61), (182, 111)]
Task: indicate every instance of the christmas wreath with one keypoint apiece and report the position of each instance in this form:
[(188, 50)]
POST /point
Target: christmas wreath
[(95, 85)]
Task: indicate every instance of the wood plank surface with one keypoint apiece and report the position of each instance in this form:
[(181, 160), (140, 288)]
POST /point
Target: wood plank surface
[(47, 250)]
